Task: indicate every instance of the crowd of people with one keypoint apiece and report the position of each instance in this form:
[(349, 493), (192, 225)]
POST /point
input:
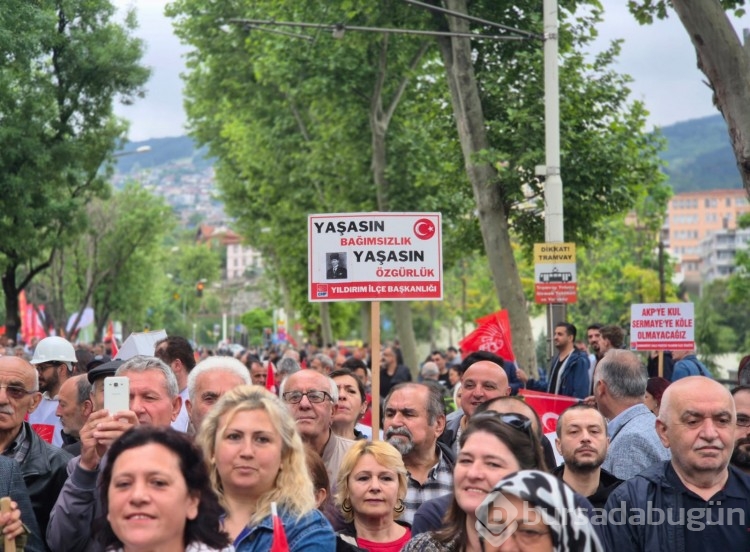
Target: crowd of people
[(259, 453)]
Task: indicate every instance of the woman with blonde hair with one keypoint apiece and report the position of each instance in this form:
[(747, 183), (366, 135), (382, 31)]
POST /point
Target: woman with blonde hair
[(371, 490), (256, 458)]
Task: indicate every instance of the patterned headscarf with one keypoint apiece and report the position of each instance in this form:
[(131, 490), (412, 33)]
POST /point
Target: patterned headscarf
[(555, 502)]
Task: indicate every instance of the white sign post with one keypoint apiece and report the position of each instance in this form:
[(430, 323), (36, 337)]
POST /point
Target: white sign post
[(662, 327), (375, 257)]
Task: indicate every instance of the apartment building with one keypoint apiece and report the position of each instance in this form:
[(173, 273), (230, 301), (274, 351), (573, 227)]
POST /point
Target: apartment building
[(694, 216)]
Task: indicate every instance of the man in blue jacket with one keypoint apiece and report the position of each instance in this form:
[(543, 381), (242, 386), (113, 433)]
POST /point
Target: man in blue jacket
[(696, 500), (569, 369)]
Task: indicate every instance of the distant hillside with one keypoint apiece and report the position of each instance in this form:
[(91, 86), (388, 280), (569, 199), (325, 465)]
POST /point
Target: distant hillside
[(163, 151), (699, 155)]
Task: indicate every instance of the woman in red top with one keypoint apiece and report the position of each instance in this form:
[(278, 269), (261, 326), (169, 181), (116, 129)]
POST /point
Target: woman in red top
[(371, 490)]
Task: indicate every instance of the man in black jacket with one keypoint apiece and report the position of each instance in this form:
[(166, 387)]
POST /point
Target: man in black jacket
[(696, 500), (43, 466), (582, 440)]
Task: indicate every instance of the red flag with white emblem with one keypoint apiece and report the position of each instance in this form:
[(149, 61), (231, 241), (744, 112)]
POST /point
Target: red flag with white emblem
[(492, 334)]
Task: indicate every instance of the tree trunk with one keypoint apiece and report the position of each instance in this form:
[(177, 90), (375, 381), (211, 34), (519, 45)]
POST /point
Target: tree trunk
[(726, 63), (404, 326), (380, 118), (325, 323), (291, 315), (12, 315), (493, 218), (365, 313), (405, 332)]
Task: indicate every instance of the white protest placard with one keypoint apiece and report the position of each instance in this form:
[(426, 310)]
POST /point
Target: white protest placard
[(375, 257), (662, 327)]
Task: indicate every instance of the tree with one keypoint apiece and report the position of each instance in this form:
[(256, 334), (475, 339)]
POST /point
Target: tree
[(337, 112), (62, 68), (123, 239), (721, 57), (497, 98), (279, 151)]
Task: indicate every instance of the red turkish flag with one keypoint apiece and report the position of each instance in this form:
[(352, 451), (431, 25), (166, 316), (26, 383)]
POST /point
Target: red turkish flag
[(492, 334), (279, 543), (548, 405), (111, 339), (270, 380)]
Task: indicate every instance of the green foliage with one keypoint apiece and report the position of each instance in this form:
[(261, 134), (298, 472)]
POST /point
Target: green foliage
[(608, 160), (291, 123), (256, 321), (292, 129), (622, 267), (62, 65), (699, 155), (113, 266), (646, 10)]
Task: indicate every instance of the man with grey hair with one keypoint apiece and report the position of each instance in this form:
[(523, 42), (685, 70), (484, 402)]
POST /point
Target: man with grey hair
[(619, 390), (285, 368), (208, 381), (154, 400), (312, 399), (414, 418), (321, 363), (430, 371), (73, 408), (583, 440)]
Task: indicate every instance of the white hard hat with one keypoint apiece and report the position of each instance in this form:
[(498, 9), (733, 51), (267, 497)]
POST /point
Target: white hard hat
[(54, 348)]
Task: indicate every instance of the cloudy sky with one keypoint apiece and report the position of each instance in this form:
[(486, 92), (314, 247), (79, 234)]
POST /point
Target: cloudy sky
[(660, 58)]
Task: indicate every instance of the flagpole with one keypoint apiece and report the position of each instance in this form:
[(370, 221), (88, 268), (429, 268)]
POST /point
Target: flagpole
[(375, 358)]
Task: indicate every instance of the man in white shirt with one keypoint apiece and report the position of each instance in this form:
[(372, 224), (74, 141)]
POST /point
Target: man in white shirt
[(54, 359)]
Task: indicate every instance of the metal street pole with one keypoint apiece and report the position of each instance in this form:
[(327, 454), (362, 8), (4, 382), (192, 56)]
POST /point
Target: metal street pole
[(553, 188)]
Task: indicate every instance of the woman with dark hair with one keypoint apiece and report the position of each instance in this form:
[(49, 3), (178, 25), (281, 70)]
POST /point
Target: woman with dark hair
[(319, 476), (655, 388), (158, 495), (352, 405), (491, 447)]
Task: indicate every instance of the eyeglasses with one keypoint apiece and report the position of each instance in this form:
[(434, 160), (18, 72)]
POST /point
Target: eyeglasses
[(516, 421), (315, 397), (45, 366), (16, 392), (743, 420)]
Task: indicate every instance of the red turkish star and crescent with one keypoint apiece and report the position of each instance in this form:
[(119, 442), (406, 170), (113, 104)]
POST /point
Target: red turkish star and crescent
[(424, 229)]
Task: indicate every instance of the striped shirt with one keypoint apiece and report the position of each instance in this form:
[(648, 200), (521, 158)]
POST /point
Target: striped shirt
[(439, 482)]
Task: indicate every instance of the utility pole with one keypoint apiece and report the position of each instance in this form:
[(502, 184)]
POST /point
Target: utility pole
[(553, 188)]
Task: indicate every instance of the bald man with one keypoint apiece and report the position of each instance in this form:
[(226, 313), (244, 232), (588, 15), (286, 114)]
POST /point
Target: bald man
[(696, 500), (481, 381), (43, 466)]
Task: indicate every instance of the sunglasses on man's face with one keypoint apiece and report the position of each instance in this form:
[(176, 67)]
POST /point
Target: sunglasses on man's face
[(516, 421), (16, 392)]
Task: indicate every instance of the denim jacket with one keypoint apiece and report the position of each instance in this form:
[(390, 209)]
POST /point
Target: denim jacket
[(310, 533)]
